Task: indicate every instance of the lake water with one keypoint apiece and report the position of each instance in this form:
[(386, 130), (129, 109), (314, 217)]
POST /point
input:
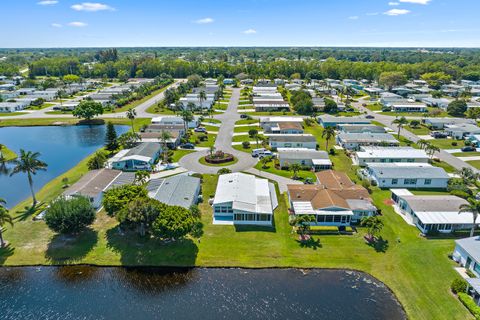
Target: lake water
[(60, 147), (83, 292)]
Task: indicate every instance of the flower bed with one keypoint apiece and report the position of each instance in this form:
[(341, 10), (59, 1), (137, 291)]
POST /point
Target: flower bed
[(219, 157)]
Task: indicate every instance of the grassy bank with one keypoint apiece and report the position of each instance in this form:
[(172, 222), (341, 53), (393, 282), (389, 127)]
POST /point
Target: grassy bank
[(7, 153), (138, 123)]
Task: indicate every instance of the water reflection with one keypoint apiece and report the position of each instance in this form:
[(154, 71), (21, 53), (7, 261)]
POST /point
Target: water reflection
[(83, 292), (60, 147)]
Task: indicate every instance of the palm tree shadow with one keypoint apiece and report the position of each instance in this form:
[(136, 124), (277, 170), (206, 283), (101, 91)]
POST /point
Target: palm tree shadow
[(379, 244), (310, 243), (29, 212), (67, 249), (5, 253)]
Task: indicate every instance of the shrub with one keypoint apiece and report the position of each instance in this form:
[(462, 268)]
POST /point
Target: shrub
[(332, 152), (458, 285), (173, 222), (224, 171), (117, 198), (69, 216), (454, 143), (97, 161), (246, 144), (469, 304), (195, 210)]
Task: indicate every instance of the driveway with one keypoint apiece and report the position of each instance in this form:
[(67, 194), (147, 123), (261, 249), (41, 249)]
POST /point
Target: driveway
[(223, 143)]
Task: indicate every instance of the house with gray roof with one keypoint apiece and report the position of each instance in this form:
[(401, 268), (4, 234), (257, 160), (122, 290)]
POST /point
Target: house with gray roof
[(180, 190), (317, 160), (141, 157), (331, 121), (406, 175), (360, 128), (353, 141), (467, 254), (367, 155), (460, 131), (440, 123), (307, 141), (432, 213)]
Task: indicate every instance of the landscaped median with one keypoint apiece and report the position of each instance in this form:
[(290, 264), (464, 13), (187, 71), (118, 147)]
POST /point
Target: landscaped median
[(218, 159)]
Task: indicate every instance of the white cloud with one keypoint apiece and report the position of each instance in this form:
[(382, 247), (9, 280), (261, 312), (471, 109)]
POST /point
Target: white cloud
[(47, 2), (56, 25), (91, 7), (77, 24), (204, 21), (250, 31), (393, 3), (416, 1), (396, 12), (353, 18)]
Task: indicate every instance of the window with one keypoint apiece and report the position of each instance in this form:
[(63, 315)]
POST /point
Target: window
[(410, 181), (410, 160), (394, 181), (428, 181)]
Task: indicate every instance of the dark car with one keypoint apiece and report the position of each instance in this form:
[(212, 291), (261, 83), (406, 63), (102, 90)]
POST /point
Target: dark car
[(439, 135), (187, 146), (243, 116), (370, 116), (468, 149)]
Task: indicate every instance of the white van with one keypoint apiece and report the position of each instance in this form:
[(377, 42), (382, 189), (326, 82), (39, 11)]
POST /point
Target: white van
[(262, 152)]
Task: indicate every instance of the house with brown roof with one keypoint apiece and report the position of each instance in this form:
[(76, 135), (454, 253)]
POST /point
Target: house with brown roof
[(334, 201)]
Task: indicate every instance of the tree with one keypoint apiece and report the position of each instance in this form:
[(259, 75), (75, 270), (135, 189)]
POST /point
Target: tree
[(374, 226), (328, 133), (131, 114), (202, 96), (88, 109), (71, 78), (400, 122), (422, 143), (111, 142), (414, 123), (295, 167), (473, 207), (5, 218), (265, 160), (330, 106), (224, 171), (436, 79), (473, 113), (302, 222), (117, 198), (195, 211), (187, 117), (129, 140), (141, 177), (174, 222), (29, 163), (194, 80), (165, 137), (457, 108), (69, 215), (392, 79), (97, 161), (140, 213), (252, 133), (246, 144), (431, 149)]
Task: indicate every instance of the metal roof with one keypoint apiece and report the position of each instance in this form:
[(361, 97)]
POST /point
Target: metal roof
[(180, 190), (407, 170), (471, 246)]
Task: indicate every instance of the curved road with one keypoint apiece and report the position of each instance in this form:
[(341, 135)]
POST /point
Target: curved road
[(223, 143)]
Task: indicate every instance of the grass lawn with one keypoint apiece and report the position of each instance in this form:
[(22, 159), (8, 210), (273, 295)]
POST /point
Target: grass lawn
[(419, 131), (136, 103), (474, 163), (442, 164), (180, 153), (59, 112), (429, 192), (138, 123), (211, 120), (245, 102), (417, 270), (7, 153), (248, 150), (246, 129), (204, 162), (443, 114), (466, 154), (374, 107), (247, 121), (11, 114), (43, 106), (210, 142), (220, 106), (245, 137), (447, 143), (212, 128), (270, 167)]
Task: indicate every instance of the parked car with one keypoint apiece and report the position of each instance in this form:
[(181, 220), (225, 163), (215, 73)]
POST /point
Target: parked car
[(262, 152), (267, 154), (468, 149), (187, 146), (200, 129), (439, 135), (369, 116), (243, 116)]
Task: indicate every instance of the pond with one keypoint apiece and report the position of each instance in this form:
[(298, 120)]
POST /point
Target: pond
[(61, 147), (83, 292)]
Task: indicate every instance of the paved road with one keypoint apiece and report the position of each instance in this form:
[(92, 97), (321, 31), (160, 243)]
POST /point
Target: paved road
[(223, 143), (387, 121)]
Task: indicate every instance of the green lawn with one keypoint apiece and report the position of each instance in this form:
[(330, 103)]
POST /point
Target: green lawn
[(180, 153), (246, 129), (136, 103), (245, 137), (239, 147), (43, 106), (441, 164), (447, 143), (474, 163), (419, 131), (211, 120), (443, 114), (59, 112), (417, 270), (466, 154), (270, 167), (247, 121), (210, 142), (374, 107), (7, 153), (11, 114)]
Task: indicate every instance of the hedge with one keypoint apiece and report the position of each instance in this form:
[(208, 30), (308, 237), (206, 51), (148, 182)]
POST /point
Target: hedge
[(470, 304)]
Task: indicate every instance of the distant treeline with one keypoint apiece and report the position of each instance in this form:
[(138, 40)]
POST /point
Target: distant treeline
[(314, 63)]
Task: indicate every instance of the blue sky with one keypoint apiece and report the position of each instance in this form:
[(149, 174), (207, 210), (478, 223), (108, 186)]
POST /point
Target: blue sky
[(414, 23)]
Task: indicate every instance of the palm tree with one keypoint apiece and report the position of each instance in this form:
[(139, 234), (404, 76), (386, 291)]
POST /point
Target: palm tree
[(473, 207), (4, 219), (422, 143), (211, 150), (187, 116), (374, 225), (467, 175), (431, 149), (131, 114), (29, 163), (400, 122), (165, 136), (328, 133), (202, 96), (295, 167)]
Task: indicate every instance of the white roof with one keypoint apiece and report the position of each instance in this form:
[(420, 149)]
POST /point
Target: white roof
[(400, 152), (136, 157), (305, 207), (246, 192), (450, 217), (281, 119), (319, 162)]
